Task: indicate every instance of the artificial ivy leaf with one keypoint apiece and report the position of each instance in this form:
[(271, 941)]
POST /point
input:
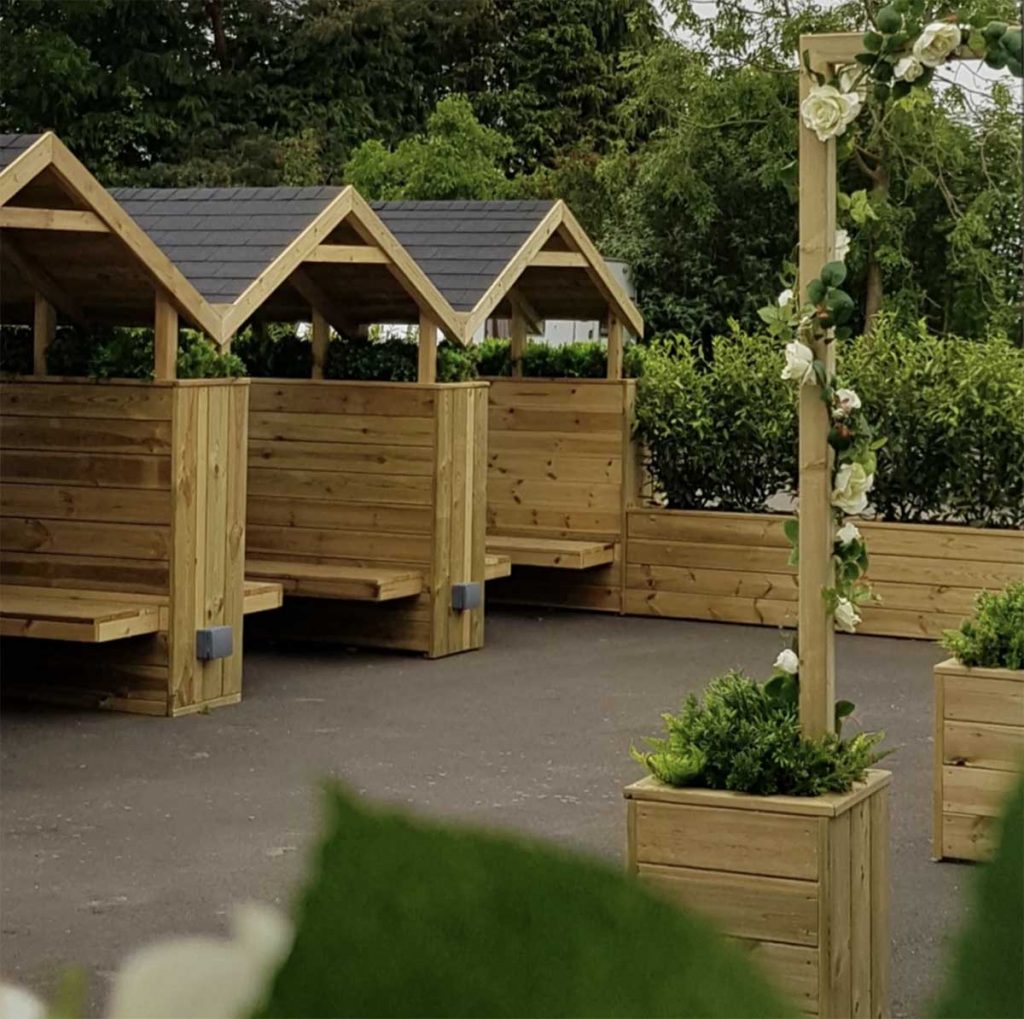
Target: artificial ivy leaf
[(784, 688), (816, 291), (872, 43), (1013, 42), (901, 89), (833, 274), (791, 529), (889, 20), (994, 31), (408, 917)]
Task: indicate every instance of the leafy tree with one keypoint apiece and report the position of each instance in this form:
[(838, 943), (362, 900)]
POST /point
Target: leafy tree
[(457, 157)]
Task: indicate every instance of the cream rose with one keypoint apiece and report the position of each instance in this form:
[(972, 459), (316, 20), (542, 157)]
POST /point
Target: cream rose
[(799, 364), (908, 69), (827, 111), (846, 401), (853, 78), (788, 661), (785, 298), (934, 45), (842, 246), (848, 533), (852, 486), (846, 615)]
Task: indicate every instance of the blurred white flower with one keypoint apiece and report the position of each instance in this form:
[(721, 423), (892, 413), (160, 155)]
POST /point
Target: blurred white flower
[(852, 486), (788, 661), (842, 245), (204, 977), (785, 298), (846, 615), (799, 364), (827, 111), (847, 401), (18, 1003), (848, 533), (854, 78), (938, 40), (908, 69)]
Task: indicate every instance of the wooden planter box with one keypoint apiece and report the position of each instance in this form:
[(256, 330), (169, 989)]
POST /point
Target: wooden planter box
[(803, 882), (732, 567), (979, 750)]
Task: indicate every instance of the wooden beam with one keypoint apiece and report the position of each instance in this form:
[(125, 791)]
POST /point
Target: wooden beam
[(321, 340), (40, 280), (517, 345), (348, 254), (70, 220), (427, 367), (323, 302), (615, 344), (166, 337), (816, 569), (559, 260), (25, 167), (534, 321), (44, 329)]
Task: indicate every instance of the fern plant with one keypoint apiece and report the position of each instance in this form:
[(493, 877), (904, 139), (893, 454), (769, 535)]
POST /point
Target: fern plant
[(744, 736), (994, 638)]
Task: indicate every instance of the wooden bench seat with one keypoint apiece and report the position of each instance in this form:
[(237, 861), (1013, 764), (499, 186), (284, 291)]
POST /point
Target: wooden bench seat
[(95, 617), (91, 617), (497, 566), (334, 580), (563, 554)]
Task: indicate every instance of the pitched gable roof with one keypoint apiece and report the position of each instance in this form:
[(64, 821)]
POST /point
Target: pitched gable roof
[(222, 239), (13, 145)]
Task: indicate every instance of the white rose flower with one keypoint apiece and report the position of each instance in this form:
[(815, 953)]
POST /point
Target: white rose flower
[(846, 615), (852, 486), (936, 43), (788, 661), (785, 298), (799, 364), (848, 533), (908, 69), (827, 111), (842, 245), (203, 977), (18, 1003), (847, 401), (853, 78)]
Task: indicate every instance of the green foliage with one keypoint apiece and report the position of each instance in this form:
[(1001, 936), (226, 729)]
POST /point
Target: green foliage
[(583, 359), (457, 157), (274, 352), (15, 350), (994, 637), (405, 917), (985, 979), (951, 413), (719, 429), (745, 737)]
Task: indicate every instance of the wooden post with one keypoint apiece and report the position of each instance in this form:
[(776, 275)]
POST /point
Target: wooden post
[(43, 330), (321, 338), (427, 370), (816, 571), (517, 346), (165, 337), (614, 345)]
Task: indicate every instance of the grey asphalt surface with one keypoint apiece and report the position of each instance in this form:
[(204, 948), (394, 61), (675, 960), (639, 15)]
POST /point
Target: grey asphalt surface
[(120, 829)]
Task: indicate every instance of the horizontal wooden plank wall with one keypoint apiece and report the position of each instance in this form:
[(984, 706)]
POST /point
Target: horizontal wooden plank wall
[(732, 567), (129, 487), (371, 474), (562, 463)]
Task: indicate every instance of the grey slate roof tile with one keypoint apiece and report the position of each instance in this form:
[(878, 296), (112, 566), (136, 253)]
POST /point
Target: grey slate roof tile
[(13, 145)]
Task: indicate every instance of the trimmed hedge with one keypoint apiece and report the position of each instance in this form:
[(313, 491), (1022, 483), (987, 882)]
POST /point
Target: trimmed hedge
[(584, 359), (720, 428)]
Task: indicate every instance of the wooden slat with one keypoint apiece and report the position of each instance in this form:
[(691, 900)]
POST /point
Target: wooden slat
[(69, 537), (372, 429), (743, 905), (348, 254), (354, 458), (335, 486), (976, 790), (969, 836), (505, 518), (730, 583), (261, 596), (87, 399), (761, 612), (746, 842), (312, 580), (338, 544), (497, 566), (566, 444), (111, 505), (332, 397), (100, 470), (983, 745), (66, 220), (565, 555), (51, 614), (97, 435), (861, 882), (88, 572), (561, 420), (555, 395), (607, 469), (544, 494), (977, 699), (793, 968), (881, 939), (288, 512)]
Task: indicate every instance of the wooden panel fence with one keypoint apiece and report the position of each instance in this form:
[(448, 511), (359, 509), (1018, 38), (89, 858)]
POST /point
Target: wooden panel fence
[(732, 567), (136, 489), (376, 475), (562, 463)]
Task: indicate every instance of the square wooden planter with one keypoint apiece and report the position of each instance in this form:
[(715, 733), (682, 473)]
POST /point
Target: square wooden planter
[(979, 750), (803, 882)]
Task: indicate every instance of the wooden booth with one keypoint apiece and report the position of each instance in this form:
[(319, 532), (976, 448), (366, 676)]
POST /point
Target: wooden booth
[(365, 499), (122, 507), (561, 459)]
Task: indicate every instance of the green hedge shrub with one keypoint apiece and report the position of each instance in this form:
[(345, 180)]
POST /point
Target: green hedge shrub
[(994, 637), (115, 353), (720, 429), (739, 736), (584, 359)]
